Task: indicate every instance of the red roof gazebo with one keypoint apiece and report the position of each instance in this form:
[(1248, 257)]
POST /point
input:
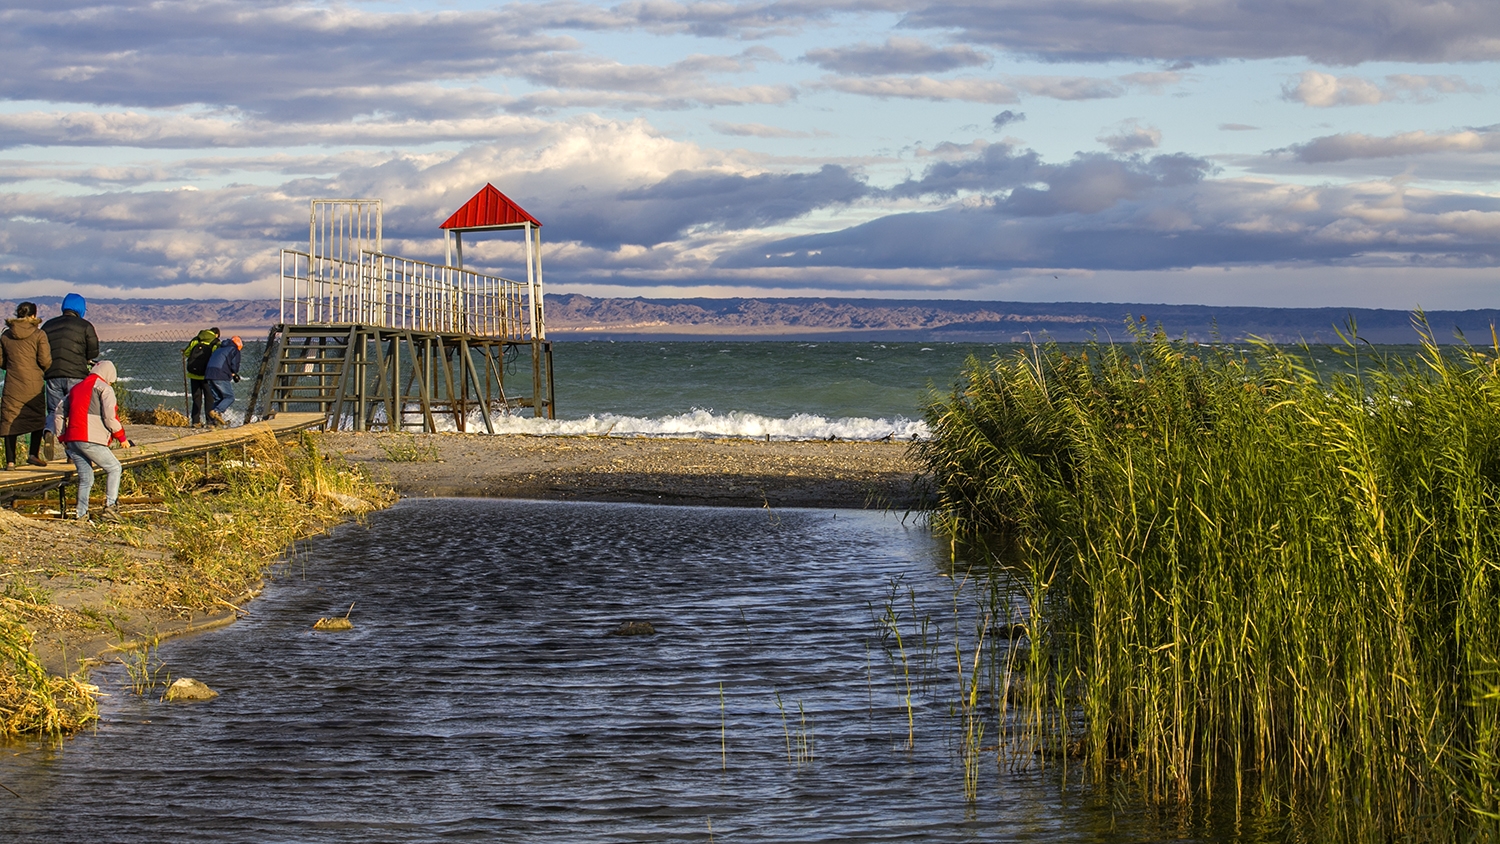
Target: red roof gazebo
[(490, 210)]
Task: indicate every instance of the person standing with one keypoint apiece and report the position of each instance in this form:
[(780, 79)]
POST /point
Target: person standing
[(222, 372), (75, 347), (195, 362), (87, 422), (25, 356)]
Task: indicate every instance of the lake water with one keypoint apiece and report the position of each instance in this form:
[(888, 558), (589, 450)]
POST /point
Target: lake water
[(480, 697), (785, 389)]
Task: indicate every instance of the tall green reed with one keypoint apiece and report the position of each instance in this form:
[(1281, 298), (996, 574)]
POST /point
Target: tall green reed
[(1244, 578)]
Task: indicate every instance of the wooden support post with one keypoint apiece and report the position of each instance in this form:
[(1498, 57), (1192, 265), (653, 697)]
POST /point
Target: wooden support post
[(441, 360), (551, 401), (484, 413), (536, 376), (428, 422)]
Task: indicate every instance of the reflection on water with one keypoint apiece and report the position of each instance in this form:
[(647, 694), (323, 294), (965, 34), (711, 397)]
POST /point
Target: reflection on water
[(480, 697)]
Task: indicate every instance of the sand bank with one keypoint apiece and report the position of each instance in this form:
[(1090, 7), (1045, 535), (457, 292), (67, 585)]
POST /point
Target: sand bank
[(720, 472)]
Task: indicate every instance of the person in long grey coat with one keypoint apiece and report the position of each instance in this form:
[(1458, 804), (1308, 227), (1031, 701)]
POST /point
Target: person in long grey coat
[(25, 356)]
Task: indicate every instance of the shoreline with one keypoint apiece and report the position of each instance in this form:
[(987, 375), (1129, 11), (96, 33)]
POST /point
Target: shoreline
[(722, 472)]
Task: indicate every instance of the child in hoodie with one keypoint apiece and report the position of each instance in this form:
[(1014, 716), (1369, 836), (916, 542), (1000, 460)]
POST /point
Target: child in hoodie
[(88, 424)]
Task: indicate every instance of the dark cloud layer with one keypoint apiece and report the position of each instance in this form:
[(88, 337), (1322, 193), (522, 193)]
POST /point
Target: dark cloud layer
[(685, 202), (1339, 32), (896, 55), (1089, 183), (1101, 212)]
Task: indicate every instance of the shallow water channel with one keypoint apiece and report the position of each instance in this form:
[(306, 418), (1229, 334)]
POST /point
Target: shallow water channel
[(480, 697)]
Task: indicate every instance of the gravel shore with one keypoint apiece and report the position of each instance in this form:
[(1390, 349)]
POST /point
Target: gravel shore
[(721, 472)]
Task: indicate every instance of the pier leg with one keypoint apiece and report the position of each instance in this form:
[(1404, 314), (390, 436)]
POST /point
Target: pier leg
[(536, 377)]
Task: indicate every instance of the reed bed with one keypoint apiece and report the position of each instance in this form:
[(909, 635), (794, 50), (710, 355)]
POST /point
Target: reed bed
[(1244, 582)]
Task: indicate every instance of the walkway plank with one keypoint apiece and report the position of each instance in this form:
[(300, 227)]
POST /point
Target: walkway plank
[(27, 478)]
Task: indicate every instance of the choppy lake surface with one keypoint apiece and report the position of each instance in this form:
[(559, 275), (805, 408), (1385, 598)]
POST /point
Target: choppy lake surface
[(480, 697)]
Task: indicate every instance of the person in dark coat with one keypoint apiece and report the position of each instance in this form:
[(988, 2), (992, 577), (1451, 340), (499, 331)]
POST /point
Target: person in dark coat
[(195, 362), (223, 370), (25, 356), (75, 347)]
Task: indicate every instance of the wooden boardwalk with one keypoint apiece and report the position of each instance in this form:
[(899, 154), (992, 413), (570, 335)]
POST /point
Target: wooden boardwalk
[(26, 478)]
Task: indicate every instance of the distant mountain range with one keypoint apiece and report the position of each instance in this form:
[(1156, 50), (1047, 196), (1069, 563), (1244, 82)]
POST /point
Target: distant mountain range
[(571, 317)]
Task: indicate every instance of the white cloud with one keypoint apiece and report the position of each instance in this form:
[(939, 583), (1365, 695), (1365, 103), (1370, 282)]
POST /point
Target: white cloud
[(1351, 145), (1324, 90), (759, 130), (970, 89)]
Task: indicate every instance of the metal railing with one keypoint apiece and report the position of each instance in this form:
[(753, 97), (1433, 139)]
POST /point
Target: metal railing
[(387, 291)]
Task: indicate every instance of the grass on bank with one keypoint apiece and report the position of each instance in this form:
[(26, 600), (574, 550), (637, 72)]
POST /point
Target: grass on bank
[(1249, 584), (220, 523)]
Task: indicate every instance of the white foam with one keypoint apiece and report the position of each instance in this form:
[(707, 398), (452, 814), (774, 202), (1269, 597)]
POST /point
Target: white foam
[(706, 423), (152, 391)]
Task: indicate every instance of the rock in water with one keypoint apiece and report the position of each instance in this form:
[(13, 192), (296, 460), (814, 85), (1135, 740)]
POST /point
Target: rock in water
[(335, 623), (186, 688), (634, 628)]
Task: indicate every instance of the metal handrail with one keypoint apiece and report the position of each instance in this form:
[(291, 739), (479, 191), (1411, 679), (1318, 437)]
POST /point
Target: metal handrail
[(388, 291)]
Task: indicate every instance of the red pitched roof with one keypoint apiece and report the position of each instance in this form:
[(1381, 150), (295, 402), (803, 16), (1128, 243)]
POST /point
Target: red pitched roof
[(489, 209)]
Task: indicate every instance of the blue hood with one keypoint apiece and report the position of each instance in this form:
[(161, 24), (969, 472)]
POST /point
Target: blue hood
[(73, 302)]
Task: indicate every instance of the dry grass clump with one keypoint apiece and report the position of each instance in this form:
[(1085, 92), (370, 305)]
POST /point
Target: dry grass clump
[(167, 417), (30, 700), (1249, 581), (229, 521)]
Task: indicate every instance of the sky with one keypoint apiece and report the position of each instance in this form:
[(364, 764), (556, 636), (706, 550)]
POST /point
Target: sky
[(1284, 153)]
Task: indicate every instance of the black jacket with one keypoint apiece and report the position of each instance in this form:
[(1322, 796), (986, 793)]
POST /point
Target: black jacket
[(74, 345)]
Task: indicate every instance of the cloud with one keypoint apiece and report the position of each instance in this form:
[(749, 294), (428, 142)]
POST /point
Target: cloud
[(758, 130), (1068, 87), (179, 131), (970, 89), (277, 59), (896, 55), (1352, 145), (1168, 226), (686, 201), (1131, 137), (1007, 117), (1022, 183), (1324, 90), (287, 61), (612, 194), (1238, 127), (1334, 32), (1006, 89)]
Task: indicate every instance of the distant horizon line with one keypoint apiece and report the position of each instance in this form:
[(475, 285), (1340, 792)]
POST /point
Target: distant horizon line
[(129, 300)]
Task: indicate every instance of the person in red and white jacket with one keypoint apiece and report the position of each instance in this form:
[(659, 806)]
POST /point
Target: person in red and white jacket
[(88, 424)]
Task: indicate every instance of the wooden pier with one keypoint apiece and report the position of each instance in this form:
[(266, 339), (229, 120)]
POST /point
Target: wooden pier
[(372, 341), (60, 474)]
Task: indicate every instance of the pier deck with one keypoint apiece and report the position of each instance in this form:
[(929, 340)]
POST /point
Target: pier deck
[(157, 445)]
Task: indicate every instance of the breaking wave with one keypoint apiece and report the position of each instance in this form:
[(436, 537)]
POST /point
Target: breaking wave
[(706, 423), (152, 391)]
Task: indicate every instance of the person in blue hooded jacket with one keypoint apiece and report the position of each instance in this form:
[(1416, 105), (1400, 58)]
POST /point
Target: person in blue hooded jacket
[(75, 347), (223, 370)]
